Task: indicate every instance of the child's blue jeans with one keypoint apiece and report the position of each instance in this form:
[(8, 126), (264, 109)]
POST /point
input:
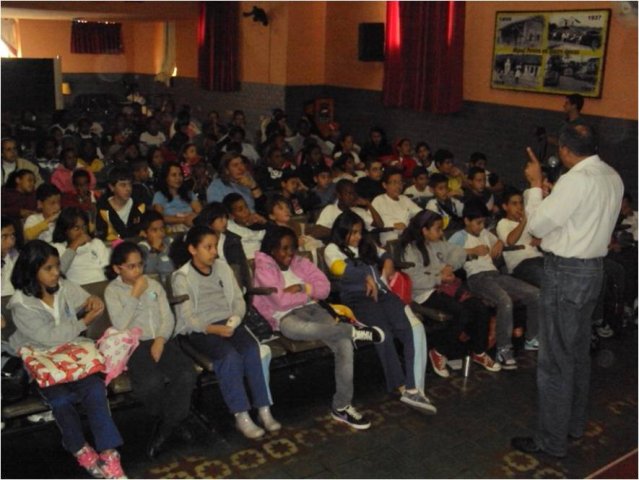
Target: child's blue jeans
[(91, 392), (233, 359)]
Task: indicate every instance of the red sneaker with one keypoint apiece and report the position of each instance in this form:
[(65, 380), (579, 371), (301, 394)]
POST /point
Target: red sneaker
[(485, 361), (438, 361), (88, 459), (110, 465)]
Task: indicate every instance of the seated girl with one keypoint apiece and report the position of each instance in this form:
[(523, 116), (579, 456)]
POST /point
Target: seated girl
[(135, 300), (45, 312), (295, 311), (82, 258), (434, 261), (211, 318), (174, 200), (354, 259)]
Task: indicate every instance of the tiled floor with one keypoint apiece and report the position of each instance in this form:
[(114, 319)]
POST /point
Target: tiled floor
[(468, 438)]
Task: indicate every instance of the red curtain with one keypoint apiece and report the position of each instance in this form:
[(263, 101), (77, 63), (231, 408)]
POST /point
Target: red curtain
[(96, 37), (218, 46), (423, 66)]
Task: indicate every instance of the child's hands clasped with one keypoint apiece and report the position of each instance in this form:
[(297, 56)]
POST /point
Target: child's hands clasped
[(93, 308)]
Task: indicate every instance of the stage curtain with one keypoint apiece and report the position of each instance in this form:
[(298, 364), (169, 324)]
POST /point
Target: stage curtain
[(218, 46), (424, 55), (96, 37)]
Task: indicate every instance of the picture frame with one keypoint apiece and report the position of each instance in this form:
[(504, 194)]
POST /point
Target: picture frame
[(557, 52)]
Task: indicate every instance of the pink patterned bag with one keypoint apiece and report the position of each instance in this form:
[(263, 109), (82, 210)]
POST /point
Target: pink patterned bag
[(117, 346), (65, 363)]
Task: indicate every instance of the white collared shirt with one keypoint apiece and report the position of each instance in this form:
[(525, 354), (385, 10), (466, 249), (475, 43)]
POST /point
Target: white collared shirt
[(577, 219)]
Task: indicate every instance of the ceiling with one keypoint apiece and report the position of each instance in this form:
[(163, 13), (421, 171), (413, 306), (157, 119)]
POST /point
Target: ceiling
[(126, 10)]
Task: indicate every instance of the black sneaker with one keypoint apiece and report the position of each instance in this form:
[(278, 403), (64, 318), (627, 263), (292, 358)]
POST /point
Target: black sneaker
[(368, 334), (352, 417)]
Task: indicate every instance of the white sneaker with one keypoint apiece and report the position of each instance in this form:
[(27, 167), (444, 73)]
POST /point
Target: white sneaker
[(267, 420), (368, 334), (245, 424), (43, 417)]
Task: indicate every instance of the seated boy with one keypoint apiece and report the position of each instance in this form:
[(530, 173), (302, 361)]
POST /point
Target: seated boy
[(346, 199), (118, 214), (444, 165), (296, 193), (526, 264), (81, 197), (142, 188), (486, 282), (324, 187), (476, 188), (41, 225), (448, 207), (419, 192), (478, 159), (155, 245), (250, 227), (370, 186)]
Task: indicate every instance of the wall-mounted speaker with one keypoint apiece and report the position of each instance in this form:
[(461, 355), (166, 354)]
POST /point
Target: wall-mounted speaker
[(371, 42)]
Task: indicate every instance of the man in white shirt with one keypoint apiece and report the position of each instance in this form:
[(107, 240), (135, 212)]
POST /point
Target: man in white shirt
[(575, 223)]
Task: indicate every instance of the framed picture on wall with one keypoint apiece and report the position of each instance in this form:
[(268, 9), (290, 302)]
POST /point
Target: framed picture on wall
[(560, 52)]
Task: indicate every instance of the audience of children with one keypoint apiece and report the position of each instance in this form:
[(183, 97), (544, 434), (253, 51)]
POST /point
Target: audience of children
[(147, 193)]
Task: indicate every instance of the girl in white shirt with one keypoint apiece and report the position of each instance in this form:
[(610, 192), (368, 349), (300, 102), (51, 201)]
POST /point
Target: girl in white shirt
[(82, 258)]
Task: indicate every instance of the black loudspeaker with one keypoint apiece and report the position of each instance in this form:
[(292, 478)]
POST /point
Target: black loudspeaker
[(371, 42)]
